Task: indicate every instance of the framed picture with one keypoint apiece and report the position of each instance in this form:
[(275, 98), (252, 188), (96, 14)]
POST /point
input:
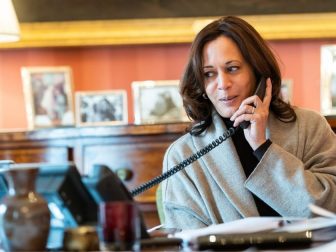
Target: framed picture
[(48, 96), (101, 108), (328, 80), (157, 102), (287, 90)]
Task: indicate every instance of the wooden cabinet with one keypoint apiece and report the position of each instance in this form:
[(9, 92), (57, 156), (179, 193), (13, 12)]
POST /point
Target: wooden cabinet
[(134, 152)]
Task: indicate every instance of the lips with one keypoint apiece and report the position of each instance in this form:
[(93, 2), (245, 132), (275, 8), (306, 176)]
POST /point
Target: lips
[(227, 99)]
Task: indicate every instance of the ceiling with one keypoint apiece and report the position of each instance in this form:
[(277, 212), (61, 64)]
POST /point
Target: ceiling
[(77, 10)]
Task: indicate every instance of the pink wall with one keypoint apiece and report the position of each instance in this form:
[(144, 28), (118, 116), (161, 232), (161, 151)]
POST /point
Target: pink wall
[(115, 67), (300, 62)]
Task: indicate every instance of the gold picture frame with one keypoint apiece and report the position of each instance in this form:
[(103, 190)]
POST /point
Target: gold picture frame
[(157, 102), (166, 30), (48, 96), (101, 108), (328, 80)]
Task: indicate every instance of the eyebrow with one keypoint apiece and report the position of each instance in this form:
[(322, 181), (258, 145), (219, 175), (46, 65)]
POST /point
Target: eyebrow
[(226, 63), (205, 67)]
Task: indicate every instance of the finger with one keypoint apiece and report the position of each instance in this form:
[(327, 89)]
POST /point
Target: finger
[(245, 117), (251, 101), (243, 109), (268, 94)]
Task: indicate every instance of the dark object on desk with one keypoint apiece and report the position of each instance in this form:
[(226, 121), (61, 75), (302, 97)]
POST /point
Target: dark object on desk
[(105, 185), (159, 242), (3, 187), (69, 201), (3, 183), (264, 240)]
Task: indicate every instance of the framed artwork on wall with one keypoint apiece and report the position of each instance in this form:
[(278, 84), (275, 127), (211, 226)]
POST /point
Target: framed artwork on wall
[(287, 90), (157, 102), (94, 108), (48, 96), (328, 80)]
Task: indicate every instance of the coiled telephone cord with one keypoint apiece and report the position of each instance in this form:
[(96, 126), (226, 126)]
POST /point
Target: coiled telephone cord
[(144, 187)]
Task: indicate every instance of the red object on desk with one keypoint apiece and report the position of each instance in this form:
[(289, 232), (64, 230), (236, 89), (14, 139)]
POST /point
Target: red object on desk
[(119, 224)]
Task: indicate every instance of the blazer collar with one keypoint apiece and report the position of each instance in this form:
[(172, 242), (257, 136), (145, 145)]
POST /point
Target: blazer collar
[(225, 168)]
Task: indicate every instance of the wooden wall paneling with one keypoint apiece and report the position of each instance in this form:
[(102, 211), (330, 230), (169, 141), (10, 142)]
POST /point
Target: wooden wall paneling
[(139, 155), (142, 159), (35, 154), (332, 121), (25, 148)]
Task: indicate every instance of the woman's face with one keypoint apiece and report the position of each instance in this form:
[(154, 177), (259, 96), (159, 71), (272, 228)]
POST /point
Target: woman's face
[(228, 78)]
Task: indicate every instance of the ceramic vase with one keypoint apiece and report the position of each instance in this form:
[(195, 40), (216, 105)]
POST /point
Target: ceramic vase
[(24, 213)]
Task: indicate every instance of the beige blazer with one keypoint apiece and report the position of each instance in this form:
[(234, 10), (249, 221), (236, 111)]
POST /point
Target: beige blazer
[(299, 168)]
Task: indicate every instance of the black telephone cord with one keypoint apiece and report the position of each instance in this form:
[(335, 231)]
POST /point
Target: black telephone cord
[(144, 187)]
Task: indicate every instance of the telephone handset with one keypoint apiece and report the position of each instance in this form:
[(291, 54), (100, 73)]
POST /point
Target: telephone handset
[(260, 91)]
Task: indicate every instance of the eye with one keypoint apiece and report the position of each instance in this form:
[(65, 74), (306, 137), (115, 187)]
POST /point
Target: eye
[(232, 69), (209, 74)]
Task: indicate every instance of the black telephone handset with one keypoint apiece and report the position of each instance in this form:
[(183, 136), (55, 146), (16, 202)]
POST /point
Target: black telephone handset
[(260, 91)]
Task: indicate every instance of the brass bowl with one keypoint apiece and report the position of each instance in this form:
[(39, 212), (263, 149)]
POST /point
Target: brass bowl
[(83, 238)]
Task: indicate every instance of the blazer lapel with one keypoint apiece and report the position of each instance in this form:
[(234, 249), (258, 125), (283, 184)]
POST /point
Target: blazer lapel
[(225, 168)]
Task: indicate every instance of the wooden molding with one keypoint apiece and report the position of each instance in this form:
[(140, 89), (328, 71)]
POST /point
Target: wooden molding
[(165, 31)]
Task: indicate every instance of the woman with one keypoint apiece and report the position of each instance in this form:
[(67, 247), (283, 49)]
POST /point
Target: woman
[(283, 161)]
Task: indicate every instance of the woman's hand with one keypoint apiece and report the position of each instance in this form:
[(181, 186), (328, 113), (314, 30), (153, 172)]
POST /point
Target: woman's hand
[(256, 111)]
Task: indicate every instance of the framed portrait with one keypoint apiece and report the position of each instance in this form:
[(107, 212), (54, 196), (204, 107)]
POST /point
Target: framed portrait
[(48, 96), (157, 102), (287, 90), (96, 108), (328, 80)]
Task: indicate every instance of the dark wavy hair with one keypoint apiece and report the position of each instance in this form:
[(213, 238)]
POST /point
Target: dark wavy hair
[(256, 53)]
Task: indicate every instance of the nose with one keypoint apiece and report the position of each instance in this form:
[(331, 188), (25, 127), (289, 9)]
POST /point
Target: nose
[(223, 81)]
